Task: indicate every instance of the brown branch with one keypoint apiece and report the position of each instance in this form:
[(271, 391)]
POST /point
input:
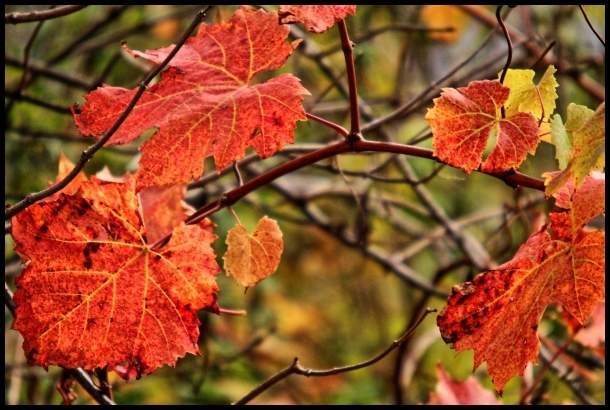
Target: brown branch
[(411, 105), (89, 152), (297, 368), (584, 81), (348, 52), (381, 30), (28, 17), (39, 69), (26, 70), (512, 178), (584, 13)]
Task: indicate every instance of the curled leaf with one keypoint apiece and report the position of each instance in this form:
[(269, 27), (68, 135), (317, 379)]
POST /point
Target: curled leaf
[(315, 18)]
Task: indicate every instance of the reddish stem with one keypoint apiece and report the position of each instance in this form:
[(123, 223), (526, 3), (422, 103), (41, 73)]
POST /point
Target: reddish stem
[(351, 78), (512, 178)]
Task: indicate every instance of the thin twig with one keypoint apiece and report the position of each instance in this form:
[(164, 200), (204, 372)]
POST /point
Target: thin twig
[(28, 17), (297, 368), (89, 152), (26, 68), (584, 13), (543, 54), (333, 126), (38, 69), (509, 56)]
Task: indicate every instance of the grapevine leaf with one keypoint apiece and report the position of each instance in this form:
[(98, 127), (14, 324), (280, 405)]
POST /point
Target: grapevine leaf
[(497, 314), (94, 294), (584, 203), (251, 258), (588, 135), (462, 119), (561, 140), (450, 391), (162, 210), (525, 96), (316, 19), (205, 103)]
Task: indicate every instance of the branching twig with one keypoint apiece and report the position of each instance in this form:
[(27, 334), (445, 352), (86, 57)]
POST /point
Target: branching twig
[(297, 368), (28, 17), (89, 152)]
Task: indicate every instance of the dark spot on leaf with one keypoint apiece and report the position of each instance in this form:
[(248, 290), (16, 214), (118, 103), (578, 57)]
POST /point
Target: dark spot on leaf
[(44, 228), (88, 263)]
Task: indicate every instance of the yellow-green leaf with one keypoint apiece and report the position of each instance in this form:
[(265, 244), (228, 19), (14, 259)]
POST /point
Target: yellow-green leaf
[(586, 130), (562, 141), (536, 99), (589, 142)]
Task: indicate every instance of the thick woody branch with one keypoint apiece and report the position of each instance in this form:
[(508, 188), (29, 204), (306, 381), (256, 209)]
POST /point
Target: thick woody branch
[(512, 178)]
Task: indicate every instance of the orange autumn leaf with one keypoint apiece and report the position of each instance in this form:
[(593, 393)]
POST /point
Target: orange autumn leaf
[(94, 294), (462, 120), (451, 391), (162, 210), (497, 314), (251, 258), (584, 203), (206, 103), (316, 19)]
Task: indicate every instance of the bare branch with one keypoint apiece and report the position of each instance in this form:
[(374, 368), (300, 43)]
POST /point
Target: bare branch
[(297, 368), (28, 17)]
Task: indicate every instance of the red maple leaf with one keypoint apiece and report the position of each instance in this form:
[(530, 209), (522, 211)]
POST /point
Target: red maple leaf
[(206, 104), (94, 293), (315, 18), (461, 122), (497, 314)]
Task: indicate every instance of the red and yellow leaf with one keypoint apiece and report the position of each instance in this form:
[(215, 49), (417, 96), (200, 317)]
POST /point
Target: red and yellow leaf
[(251, 258), (497, 314), (94, 294), (461, 122), (315, 18), (206, 103)]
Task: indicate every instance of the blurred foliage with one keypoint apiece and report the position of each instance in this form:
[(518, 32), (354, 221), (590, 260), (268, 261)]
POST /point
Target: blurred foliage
[(328, 304)]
